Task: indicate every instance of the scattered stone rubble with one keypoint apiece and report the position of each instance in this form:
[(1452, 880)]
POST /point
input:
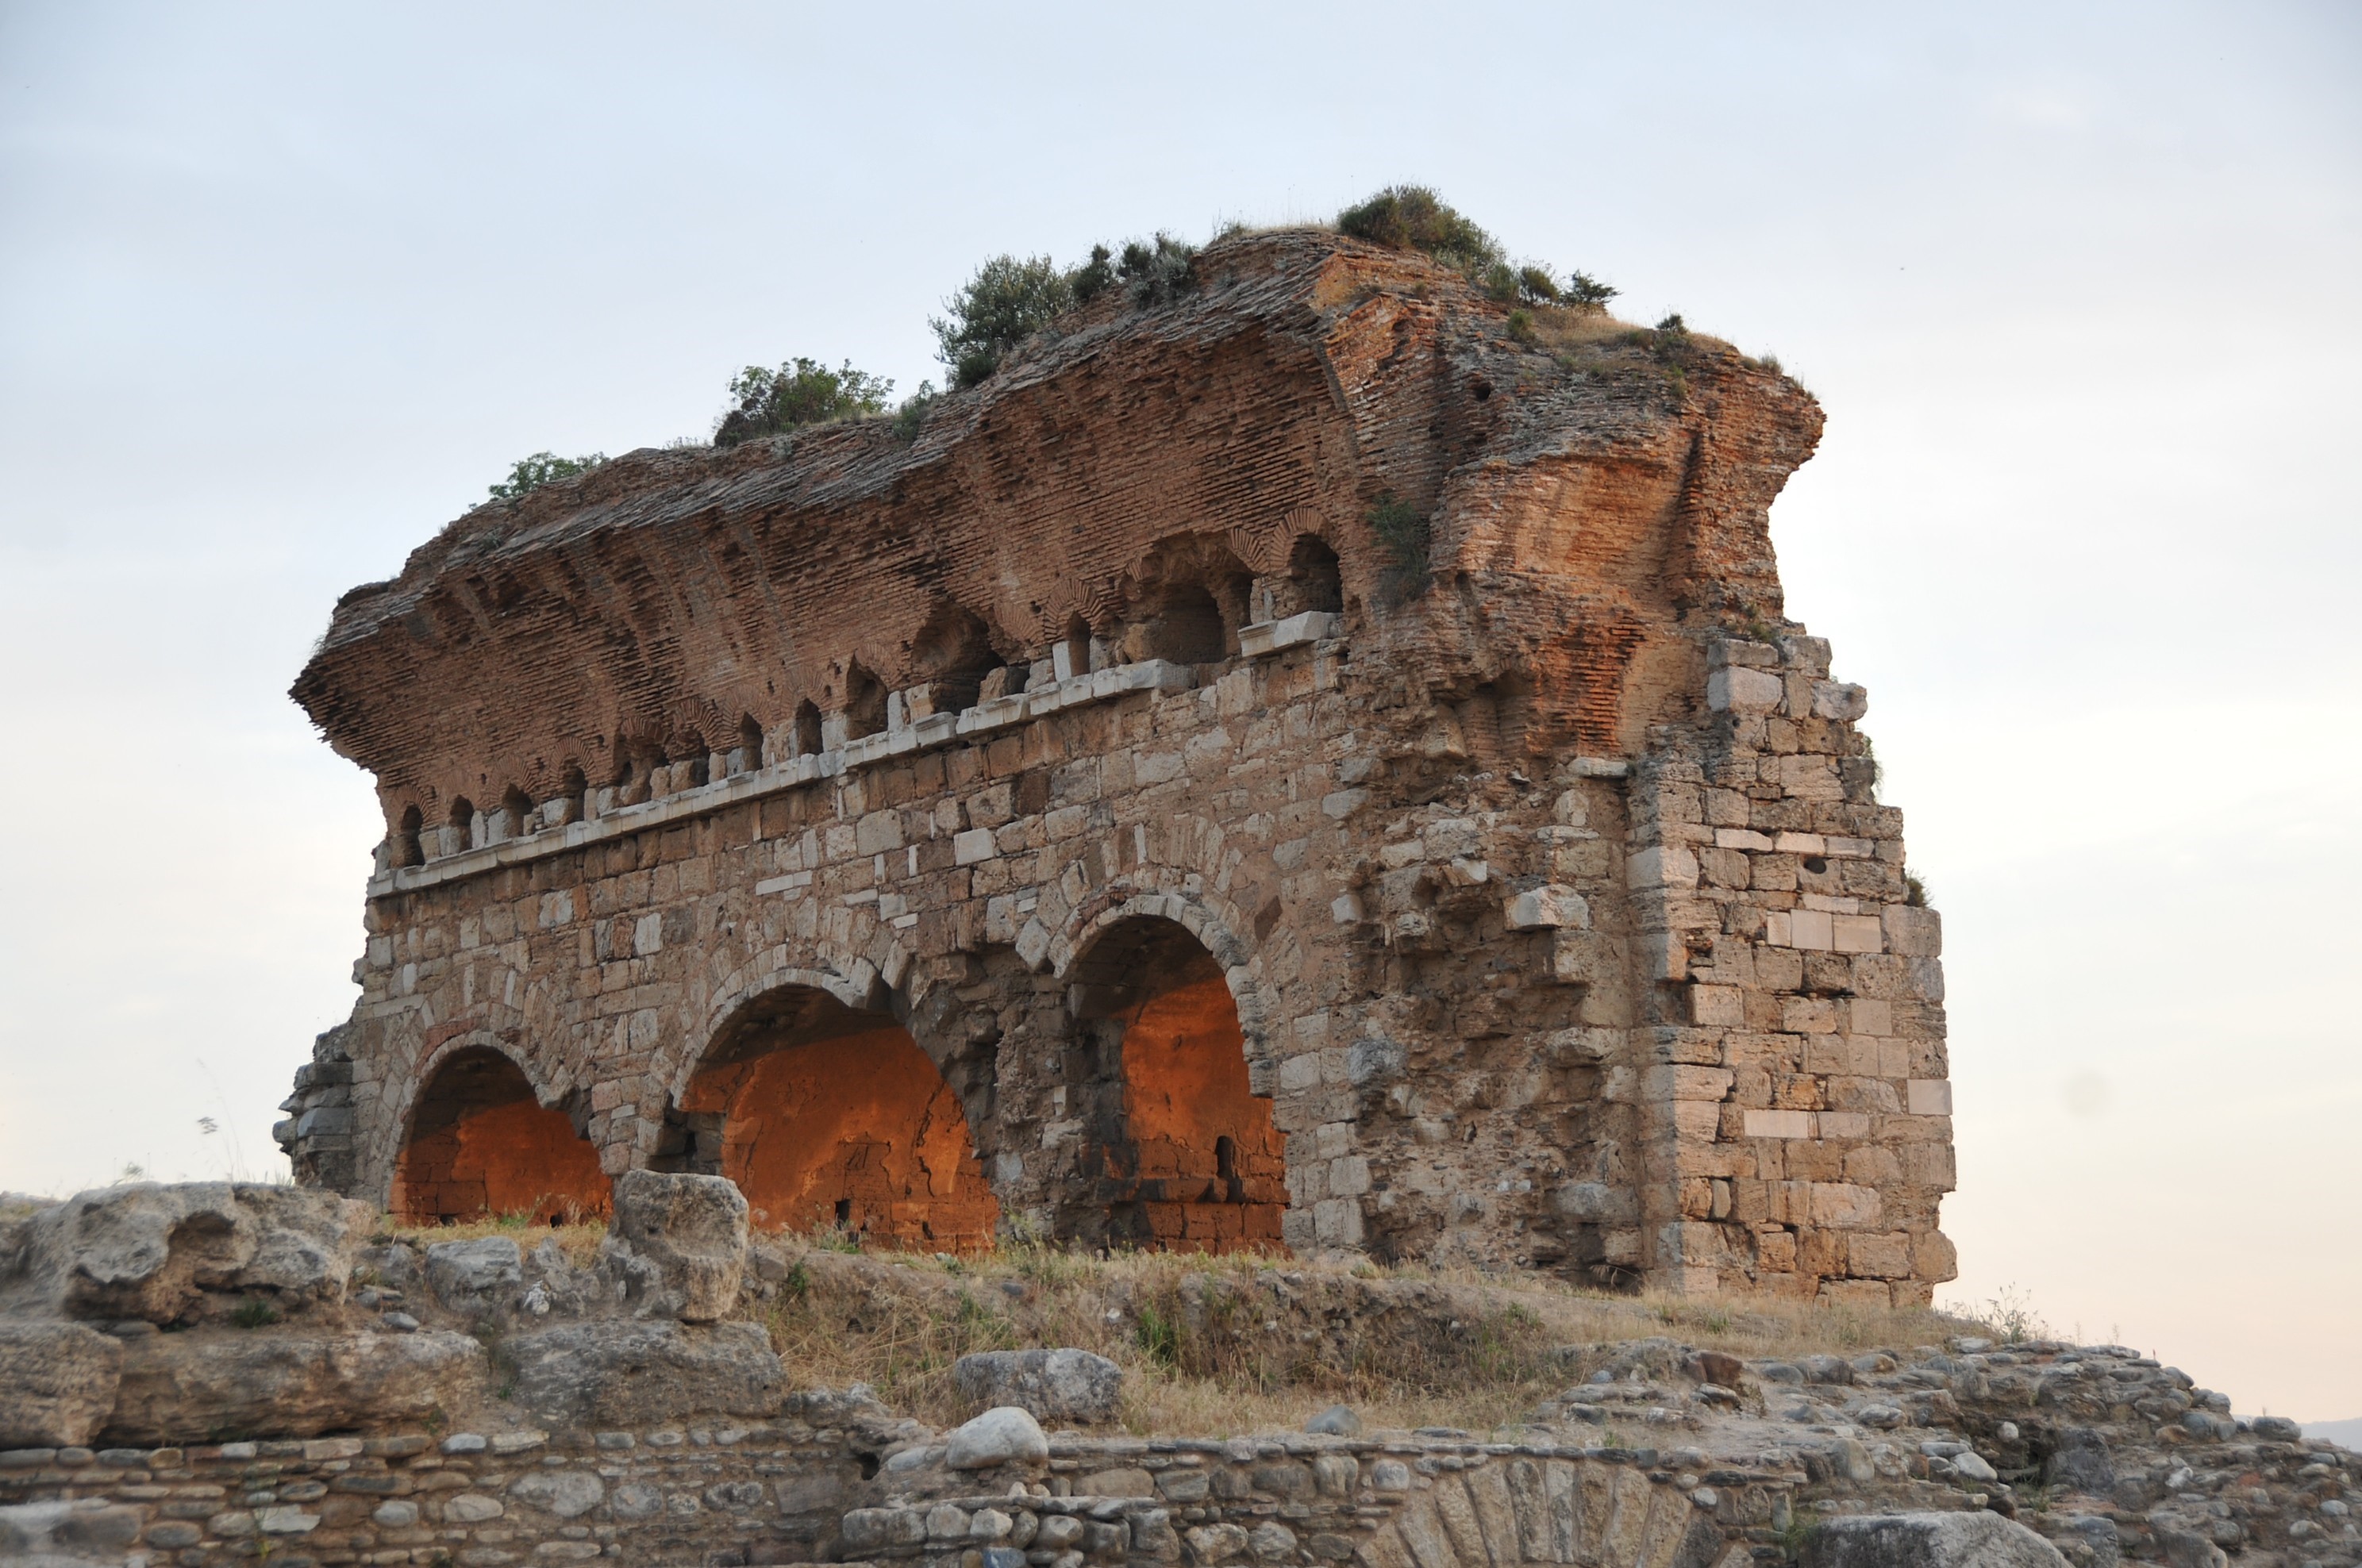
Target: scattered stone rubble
[(483, 1404)]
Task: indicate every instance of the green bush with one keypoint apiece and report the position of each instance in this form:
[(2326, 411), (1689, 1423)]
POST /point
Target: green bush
[(801, 391), (1405, 538), (1521, 327), (1156, 272), (1586, 292), (1536, 286), (1007, 301), (531, 473), (1094, 277), (911, 417), (1413, 217)]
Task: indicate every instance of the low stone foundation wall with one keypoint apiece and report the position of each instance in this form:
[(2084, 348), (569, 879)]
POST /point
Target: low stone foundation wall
[(777, 1493)]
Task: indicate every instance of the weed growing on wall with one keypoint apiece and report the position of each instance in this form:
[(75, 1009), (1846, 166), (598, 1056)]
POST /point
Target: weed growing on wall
[(1405, 538), (529, 474)]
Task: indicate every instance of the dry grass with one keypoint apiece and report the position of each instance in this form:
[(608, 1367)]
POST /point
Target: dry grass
[(1220, 1346)]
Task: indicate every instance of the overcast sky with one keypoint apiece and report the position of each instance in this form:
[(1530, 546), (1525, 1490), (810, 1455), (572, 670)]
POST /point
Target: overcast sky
[(284, 288)]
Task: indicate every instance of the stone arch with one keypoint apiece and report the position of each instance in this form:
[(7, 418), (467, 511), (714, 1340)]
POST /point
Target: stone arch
[(1178, 1152), (1207, 917), (810, 1094), (473, 1137)]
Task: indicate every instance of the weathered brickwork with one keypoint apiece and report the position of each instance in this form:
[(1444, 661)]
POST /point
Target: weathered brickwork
[(1560, 925)]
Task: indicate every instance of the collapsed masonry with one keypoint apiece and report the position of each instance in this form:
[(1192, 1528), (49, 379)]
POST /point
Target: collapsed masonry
[(1080, 818)]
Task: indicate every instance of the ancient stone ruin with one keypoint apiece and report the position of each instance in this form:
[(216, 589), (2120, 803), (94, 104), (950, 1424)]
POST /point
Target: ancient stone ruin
[(1308, 766)]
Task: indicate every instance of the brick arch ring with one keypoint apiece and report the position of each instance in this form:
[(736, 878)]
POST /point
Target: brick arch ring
[(851, 981), (1210, 918), (386, 1149)]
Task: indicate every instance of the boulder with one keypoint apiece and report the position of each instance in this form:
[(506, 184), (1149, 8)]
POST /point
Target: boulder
[(1053, 1385), (151, 1251), (634, 1374), (1337, 1420), (474, 1277), (678, 1246), (1927, 1541), (1004, 1436), (196, 1386), (66, 1532), (2081, 1463), (57, 1383)]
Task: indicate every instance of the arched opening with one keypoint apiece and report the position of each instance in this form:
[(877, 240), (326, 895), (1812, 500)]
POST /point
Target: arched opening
[(864, 703), (1183, 1154), (573, 790), (1313, 575), (481, 1144), (523, 815), (828, 1117), (954, 653), (750, 745), (461, 828), (407, 850), (807, 728), (1072, 655), (1187, 627)]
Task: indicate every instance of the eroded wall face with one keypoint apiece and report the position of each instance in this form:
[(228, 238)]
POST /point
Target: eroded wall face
[(480, 1144), (858, 1133)]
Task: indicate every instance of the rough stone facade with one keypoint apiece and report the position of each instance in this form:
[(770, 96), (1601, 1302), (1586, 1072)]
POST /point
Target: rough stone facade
[(1082, 817)]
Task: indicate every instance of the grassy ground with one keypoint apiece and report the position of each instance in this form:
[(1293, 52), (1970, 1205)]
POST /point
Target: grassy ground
[(1218, 1346)]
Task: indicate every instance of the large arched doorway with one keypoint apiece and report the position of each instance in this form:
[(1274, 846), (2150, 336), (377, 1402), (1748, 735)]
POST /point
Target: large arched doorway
[(828, 1117), (1182, 1152), (482, 1144)]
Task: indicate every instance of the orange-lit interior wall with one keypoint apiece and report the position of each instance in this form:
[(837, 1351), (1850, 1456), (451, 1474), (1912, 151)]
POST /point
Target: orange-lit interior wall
[(485, 1147), (860, 1130), (1185, 1091)]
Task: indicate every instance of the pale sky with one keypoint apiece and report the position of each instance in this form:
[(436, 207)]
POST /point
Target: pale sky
[(283, 287)]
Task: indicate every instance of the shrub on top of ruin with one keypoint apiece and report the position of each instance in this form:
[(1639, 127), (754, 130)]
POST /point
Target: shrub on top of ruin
[(530, 474), (1404, 538), (1521, 327), (1156, 272), (1585, 292), (1094, 277), (911, 417), (801, 391), (1008, 300), (1413, 217)]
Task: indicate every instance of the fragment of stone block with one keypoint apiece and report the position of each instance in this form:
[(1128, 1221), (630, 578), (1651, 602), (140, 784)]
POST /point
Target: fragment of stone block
[(636, 1373), (1975, 1539), (57, 1383), (188, 1387), (1006, 1435), (475, 1276), (1053, 1385), (1739, 690), (677, 1247), (149, 1251)]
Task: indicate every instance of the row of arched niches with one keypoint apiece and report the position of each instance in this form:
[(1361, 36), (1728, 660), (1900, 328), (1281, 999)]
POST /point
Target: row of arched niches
[(833, 1119)]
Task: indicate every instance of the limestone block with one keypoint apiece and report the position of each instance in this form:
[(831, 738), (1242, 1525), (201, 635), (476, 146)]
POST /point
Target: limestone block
[(57, 1383), (1595, 1203), (1929, 1096), (1718, 1006), (1913, 932), (1549, 906), (677, 1247), (636, 1371), (567, 1494), (1780, 1124), (1840, 1206), (1053, 1385), (1662, 866), (1968, 1540), (1839, 702), (1736, 689), (475, 1276), (1856, 934), (187, 1387)]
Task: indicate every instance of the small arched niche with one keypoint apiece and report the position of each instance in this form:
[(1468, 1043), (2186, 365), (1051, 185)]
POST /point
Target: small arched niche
[(481, 1144), (954, 653), (407, 849), (1182, 1152), (1314, 580), (864, 703), (807, 728), (831, 1118)]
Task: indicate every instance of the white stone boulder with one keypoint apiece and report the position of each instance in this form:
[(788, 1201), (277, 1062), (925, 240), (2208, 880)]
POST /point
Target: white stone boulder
[(1004, 1436), (288, 1382), (637, 1373), (475, 1276)]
